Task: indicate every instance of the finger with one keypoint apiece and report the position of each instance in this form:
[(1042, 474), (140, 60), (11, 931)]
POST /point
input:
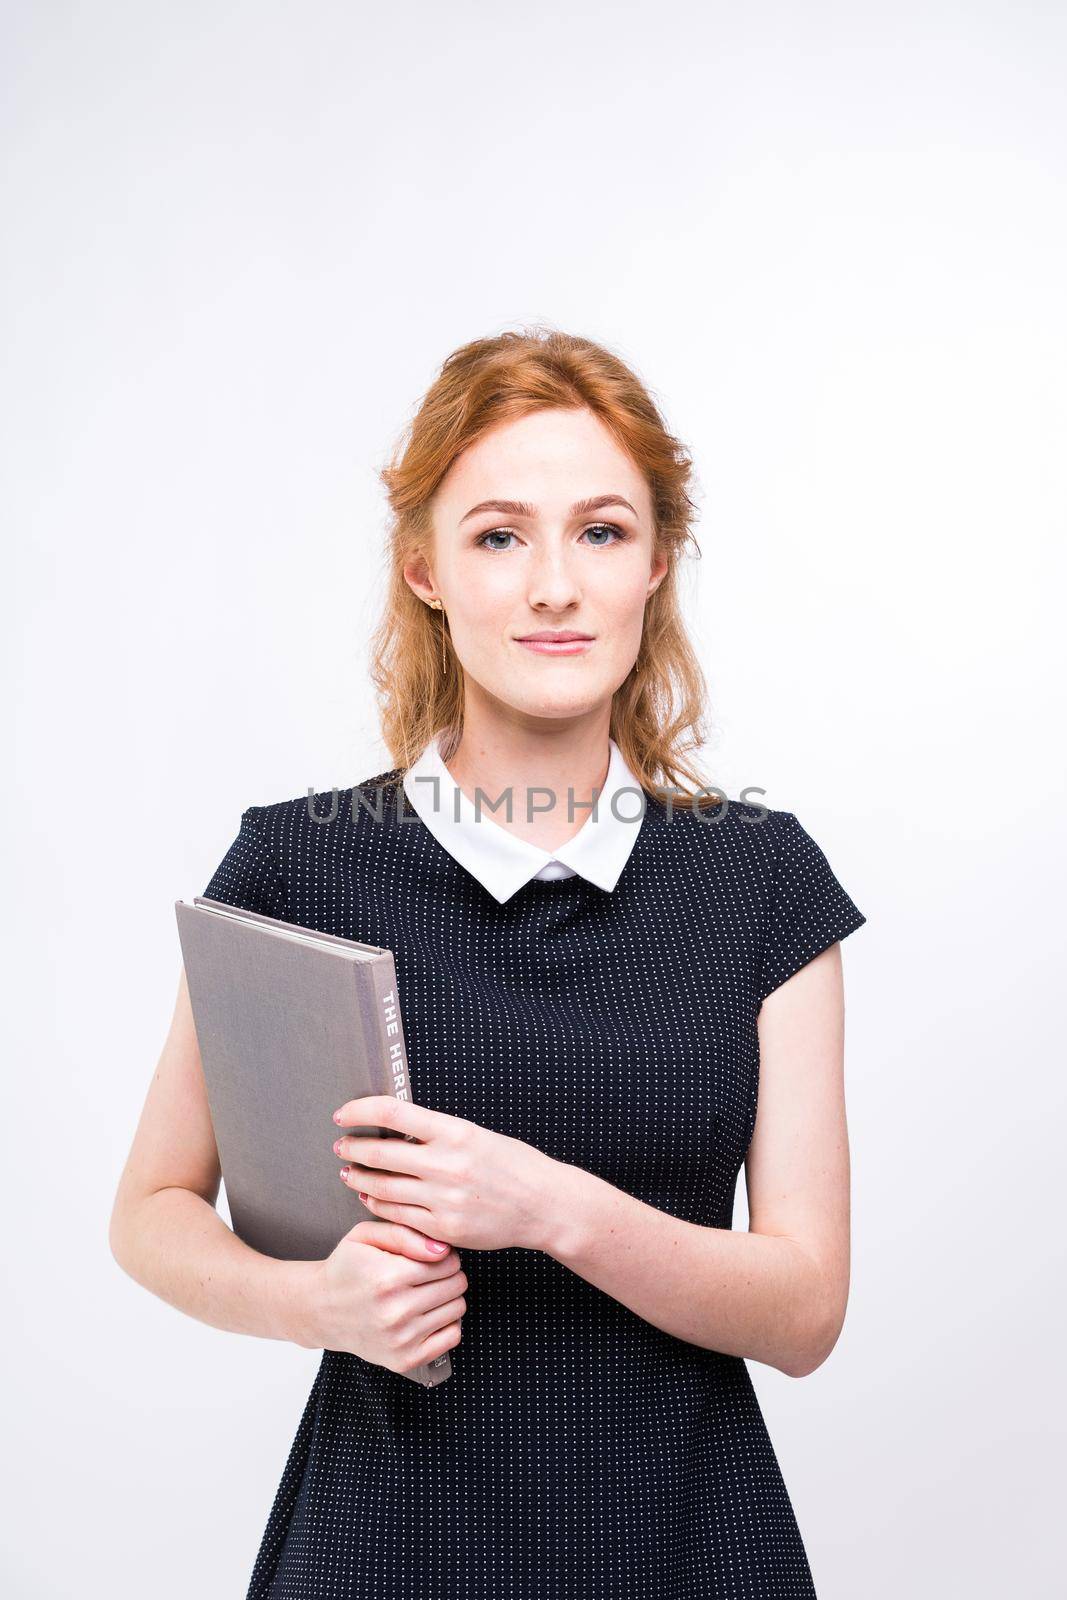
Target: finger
[(384, 1155), (411, 1216), (383, 1186), (386, 1111), (401, 1241)]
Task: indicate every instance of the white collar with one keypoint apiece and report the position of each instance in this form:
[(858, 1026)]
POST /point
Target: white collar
[(498, 858)]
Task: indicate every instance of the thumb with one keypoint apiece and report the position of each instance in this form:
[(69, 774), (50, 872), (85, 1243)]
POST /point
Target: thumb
[(398, 1238)]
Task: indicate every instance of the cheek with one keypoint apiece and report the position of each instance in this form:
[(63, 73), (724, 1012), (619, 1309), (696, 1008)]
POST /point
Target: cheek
[(483, 608), (481, 587), (624, 593)]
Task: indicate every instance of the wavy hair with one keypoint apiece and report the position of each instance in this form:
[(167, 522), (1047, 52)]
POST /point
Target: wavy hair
[(657, 714)]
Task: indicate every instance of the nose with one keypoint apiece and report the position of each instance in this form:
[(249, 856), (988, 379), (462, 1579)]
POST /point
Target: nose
[(553, 584)]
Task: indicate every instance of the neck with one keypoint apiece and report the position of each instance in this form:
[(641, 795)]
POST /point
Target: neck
[(567, 757)]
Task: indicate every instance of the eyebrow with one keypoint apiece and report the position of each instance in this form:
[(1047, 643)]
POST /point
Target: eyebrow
[(520, 508)]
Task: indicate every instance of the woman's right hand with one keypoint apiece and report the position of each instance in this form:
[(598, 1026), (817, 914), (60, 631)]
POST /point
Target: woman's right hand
[(383, 1294)]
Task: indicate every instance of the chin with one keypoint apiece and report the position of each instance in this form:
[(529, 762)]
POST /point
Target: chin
[(559, 705), (546, 689)]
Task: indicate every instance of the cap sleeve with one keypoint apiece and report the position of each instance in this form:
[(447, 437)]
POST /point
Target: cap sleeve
[(248, 874), (809, 909)]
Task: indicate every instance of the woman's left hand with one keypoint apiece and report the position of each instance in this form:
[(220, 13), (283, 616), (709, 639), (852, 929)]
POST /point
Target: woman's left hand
[(459, 1182)]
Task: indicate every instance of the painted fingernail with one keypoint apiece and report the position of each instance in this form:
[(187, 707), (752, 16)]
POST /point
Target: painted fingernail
[(363, 1196), (344, 1172)]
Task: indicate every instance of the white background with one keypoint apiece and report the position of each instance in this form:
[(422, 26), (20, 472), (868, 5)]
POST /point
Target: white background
[(240, 240)]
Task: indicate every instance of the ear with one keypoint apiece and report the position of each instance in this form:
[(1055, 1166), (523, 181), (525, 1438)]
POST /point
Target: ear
[(420, 578), (658, 573)]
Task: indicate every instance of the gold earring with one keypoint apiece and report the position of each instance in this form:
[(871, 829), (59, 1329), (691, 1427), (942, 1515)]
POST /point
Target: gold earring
[(439, 605)]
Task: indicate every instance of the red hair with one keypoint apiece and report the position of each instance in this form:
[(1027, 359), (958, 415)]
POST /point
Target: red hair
[(657, 714)]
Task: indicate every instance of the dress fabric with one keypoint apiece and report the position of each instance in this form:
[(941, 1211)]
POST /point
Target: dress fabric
[(577, 1452)]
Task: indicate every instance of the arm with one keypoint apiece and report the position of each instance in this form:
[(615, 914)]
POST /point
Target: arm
[(777, 1293), (164, 1230)]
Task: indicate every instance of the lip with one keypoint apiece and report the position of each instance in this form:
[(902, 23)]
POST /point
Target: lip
[(565, 642)]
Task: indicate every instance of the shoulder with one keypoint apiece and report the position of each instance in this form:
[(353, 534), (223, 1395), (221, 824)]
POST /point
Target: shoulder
[(745, 830), (279, 822), (745, 846)]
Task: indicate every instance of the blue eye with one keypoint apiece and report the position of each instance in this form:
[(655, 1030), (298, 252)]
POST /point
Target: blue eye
[(608, 527), (595, 527), (494, 533)]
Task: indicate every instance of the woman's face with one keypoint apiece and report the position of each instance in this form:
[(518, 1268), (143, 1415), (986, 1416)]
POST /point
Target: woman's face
[(519, 550)]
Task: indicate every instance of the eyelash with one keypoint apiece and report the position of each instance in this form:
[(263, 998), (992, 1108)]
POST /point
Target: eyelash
[(620, 535)]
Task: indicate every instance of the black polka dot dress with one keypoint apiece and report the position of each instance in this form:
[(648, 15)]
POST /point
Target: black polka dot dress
[(577, 1452)]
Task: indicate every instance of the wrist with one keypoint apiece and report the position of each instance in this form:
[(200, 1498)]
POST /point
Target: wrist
[(568, 1217), (299, 1290)]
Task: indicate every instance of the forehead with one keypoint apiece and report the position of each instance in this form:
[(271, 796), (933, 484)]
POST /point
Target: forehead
[(545, 457)]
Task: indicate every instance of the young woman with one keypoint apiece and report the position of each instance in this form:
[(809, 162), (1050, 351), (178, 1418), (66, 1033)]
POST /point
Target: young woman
[(598, 999)]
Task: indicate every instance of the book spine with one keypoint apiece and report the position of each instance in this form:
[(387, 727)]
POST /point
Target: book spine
[(391, 1061), (392, 1058)]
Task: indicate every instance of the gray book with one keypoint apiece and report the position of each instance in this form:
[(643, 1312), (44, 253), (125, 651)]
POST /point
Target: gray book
[(291, 1024)]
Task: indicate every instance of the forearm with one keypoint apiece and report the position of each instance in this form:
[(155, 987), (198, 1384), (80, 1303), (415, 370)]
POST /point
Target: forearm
[(744, 1294), (177, 1246)]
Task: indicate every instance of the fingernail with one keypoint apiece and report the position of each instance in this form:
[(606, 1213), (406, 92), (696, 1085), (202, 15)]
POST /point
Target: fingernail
[(363, 1196), (436, 1244)]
